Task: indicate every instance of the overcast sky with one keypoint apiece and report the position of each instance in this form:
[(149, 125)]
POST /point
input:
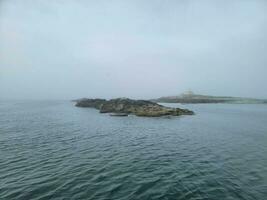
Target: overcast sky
[(136, 48)]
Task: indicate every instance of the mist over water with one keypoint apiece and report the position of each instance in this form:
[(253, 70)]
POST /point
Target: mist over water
[(55, 51), (138, 49)]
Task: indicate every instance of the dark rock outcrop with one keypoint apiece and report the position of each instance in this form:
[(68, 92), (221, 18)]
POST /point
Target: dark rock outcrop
[(129, 106), (91, 103)]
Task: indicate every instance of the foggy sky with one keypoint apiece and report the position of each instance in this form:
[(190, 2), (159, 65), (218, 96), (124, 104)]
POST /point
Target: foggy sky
[(137, 48)]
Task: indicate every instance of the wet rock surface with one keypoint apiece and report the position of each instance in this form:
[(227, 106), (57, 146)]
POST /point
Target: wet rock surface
[(129, 106)]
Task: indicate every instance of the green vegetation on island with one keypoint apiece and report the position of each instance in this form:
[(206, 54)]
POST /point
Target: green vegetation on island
[(125, 106)]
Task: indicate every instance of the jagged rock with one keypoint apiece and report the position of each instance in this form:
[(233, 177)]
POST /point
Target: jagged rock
[(128, 106)]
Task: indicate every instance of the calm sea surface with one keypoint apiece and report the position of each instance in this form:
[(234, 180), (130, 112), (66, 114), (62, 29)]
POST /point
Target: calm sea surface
[(53, 150)]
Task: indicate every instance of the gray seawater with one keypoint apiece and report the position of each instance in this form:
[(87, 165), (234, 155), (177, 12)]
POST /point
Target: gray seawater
[(53, 150)]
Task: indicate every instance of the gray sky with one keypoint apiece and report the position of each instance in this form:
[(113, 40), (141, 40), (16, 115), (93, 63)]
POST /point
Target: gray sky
[(139, 48)]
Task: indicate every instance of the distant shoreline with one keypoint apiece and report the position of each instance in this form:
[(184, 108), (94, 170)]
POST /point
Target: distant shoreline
[(191, 98)]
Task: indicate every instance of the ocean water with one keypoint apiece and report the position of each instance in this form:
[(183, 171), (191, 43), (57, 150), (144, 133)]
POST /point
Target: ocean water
[(53, 150)]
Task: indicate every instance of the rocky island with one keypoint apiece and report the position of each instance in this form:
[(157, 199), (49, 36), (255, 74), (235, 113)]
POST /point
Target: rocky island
[(125, 106)]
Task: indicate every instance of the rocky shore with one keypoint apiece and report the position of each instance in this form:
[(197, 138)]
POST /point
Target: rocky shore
[(129, 106)]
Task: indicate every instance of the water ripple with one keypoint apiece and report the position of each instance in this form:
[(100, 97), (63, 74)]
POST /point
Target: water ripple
[(55, 151)]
